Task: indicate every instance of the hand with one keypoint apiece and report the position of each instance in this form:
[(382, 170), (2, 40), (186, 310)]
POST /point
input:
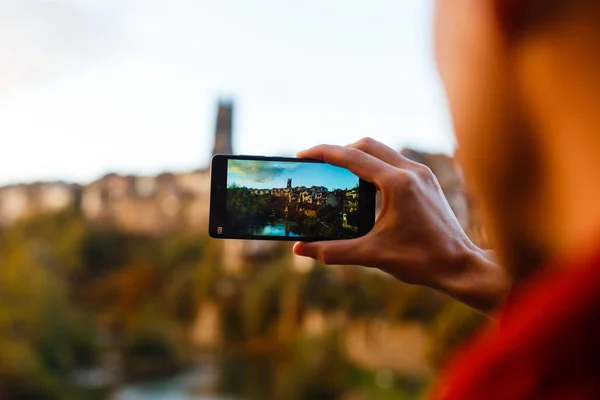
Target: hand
[(416, 238)]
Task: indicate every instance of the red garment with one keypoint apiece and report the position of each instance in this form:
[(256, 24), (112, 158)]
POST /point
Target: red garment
[(547, 347)]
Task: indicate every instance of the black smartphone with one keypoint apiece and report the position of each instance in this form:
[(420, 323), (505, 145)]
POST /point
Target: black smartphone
[(291, 199)]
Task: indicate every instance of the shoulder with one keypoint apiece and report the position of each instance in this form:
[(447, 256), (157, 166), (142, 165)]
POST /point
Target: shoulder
[(547, 343)]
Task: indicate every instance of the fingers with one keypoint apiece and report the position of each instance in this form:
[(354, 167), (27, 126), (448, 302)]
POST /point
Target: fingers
[(337, 252), (360, 163), (382, 152)]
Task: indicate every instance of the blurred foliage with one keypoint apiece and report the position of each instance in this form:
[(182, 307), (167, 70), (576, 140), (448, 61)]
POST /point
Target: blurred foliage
[(70, 292), (360, 292), (260, 302), (64, 283), (150, 345), (38, 345), (449, 331)]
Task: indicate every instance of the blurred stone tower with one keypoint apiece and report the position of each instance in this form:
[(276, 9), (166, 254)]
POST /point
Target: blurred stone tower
[(224, 129)]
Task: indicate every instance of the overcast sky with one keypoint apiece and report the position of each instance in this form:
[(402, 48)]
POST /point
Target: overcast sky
[(94, 86)]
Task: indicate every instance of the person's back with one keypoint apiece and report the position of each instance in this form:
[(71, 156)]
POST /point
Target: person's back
[(523, 80)]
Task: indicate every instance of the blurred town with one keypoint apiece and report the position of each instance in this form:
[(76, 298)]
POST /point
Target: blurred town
[(116, 283)]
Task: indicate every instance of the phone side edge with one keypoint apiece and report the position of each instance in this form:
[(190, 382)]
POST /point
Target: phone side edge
[(218, 181), (367, 207)]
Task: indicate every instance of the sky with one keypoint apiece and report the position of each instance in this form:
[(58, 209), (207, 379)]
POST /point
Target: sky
[(270, 174), (89, 87)]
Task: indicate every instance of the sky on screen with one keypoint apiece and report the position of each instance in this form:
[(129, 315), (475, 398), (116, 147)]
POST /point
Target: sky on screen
[(271, 174)]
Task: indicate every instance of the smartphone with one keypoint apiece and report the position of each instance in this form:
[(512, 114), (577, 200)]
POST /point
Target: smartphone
[(289, 199)]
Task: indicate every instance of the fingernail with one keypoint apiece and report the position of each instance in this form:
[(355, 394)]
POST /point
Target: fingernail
[(299, 250)]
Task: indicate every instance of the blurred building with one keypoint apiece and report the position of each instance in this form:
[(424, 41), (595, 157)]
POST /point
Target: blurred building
[(20, 201), (147, 204), (224, 129), (168, 203)]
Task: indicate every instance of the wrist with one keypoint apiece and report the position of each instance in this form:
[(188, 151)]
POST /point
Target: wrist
[(477, 279)]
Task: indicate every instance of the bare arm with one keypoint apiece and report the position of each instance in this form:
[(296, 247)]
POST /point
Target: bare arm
[(416, 238)]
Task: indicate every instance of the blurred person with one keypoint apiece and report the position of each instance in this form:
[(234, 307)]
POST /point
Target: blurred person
[(523, 81)]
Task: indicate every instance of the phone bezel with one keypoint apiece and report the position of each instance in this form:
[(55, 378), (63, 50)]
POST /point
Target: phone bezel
[(218, 191)]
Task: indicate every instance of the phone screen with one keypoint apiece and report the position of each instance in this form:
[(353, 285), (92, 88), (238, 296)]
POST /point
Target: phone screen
[(295, 200)]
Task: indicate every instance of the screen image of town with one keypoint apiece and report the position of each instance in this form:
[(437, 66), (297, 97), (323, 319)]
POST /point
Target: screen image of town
[(291, 199)]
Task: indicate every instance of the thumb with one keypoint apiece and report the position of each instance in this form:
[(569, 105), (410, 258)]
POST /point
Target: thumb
[(336, 252)]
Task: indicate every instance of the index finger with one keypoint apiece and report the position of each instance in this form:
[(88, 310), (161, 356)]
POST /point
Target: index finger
[(363, 165)]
